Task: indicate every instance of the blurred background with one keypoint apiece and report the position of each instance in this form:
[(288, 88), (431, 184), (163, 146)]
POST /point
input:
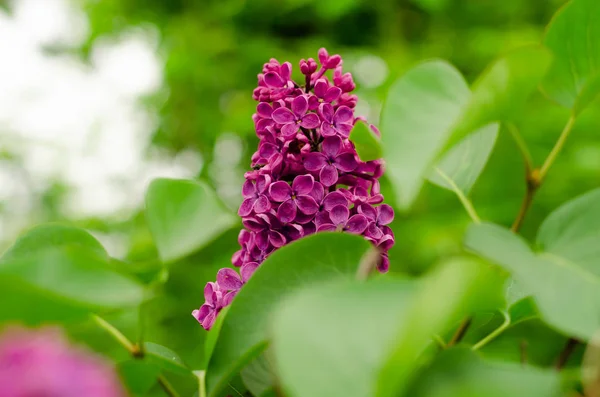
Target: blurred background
[(97, 97)]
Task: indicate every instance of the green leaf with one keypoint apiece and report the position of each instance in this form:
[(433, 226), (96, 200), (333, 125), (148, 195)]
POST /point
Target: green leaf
[(244, 331), (523, 310), (460, 372), (165, 358), (464, 162), (53, 235), (557, 284), (501, 91), (458, 288), (329, 340), (366, 142), (184, 216), (211, 338), (138, 376), (572, 231), (258, 376), (76, 274), (417, 119), (18, 298), (573, 36)]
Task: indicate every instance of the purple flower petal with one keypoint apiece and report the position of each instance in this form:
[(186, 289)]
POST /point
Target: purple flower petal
[(262, 204), (385, 214), (339, 215), (299, 106), (369, 211), (238, 258), (346, 162), (321, 218), (264, 110), (283, 116), (285, 71), (344, 129), (384, 264), (248, 189), (209, 290), (302, 218), (280, 191), (290, 130), (326, 227), (373, 232), (209, 320), (262, 183), (332, 94), (201, 313), (246, 207), (229, 279), (303, 184), (315, 161), (248, 270), (357, 224), (267, 150), (343, 115), (327, 129), (321, 88), (333, 199), (317, 192), (287, 211), (228, 298), (386, 242), (332, 146), (328, 175), (307, 204), (310, 121), (326, 112), (276, 239), (274, 80)]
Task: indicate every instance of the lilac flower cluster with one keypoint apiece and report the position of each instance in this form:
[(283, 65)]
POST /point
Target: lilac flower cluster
[(306, 175), (41, 363)]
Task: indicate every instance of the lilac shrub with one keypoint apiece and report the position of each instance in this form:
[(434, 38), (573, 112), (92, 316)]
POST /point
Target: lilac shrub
[(306, 175), (41, 363)]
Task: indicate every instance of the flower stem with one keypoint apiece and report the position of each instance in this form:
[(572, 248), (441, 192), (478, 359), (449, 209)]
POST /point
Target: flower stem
[(514, 132), (494, 333), (460, 332), (133, 349), (557, 147), (367, 263), (461, 196), (201, 375), (535, 177)]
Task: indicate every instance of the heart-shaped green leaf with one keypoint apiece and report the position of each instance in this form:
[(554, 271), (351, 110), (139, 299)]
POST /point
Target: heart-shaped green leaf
[(461, 372), (139, 376), (365, 141), (460, 167), (453, 291), (573, 36), (244, 333), (572, 231), (417, 119), (556, 283), (165, 358), (330, 340), (184, 216), (500, 92)]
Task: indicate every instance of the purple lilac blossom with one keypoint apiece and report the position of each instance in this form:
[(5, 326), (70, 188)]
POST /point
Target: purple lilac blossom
[(306, 176), (42, 363)]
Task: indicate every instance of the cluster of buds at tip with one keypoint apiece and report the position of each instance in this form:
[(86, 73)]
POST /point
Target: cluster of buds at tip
[(306, 175)]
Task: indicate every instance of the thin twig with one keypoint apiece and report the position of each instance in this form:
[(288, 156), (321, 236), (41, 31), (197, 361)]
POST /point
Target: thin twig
[(133, 349), (522, 146), (367, 263), (523, 348), (461, 196), (494, 333), (460, 332), (566, 352), (557, 147), (535, 177)]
